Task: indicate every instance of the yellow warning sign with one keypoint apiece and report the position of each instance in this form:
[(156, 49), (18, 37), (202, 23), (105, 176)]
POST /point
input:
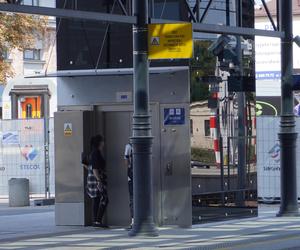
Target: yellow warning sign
[(170, 41), (68, 129)]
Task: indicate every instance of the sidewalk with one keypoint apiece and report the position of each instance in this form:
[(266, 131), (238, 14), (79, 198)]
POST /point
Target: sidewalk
[(36, 230)]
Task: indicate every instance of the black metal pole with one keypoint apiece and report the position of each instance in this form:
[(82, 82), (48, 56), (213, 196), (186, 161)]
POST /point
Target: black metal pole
[(227, 12), (241, 116), (228, 163), (222, 168), (228, 107), (198, 10), (141, 138), (287, 135), (278, 14)]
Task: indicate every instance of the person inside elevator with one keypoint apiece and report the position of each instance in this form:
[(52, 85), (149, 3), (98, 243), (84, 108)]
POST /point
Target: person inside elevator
[(129, 165), (96, 180)]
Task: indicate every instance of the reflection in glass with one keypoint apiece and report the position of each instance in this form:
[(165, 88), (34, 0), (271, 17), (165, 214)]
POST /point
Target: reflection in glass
[(216, 175)]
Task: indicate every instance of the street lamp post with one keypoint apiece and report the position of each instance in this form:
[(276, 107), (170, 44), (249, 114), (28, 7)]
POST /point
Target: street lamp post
[(287, 135), (141, 137)]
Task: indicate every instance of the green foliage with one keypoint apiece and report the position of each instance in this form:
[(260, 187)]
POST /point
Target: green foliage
[(17, 32), (203, 155)]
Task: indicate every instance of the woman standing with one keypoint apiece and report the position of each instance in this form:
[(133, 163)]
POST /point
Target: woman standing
[(96, 181)]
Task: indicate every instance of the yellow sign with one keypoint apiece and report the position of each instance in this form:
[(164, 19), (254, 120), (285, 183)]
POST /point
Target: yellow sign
[(68, 129), (170, 41)]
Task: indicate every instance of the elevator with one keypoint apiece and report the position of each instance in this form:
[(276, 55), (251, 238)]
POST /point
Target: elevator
[(112, 118)]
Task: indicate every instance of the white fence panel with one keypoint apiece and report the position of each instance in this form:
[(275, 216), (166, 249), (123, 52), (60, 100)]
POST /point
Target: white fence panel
[(268, 158), (22, 154)]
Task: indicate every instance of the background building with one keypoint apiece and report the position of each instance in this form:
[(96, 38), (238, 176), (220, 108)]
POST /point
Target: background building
[(268, 62), (38, 59)]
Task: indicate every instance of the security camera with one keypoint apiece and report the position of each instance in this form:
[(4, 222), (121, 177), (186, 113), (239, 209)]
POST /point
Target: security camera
[(297, 40), (218, 46)]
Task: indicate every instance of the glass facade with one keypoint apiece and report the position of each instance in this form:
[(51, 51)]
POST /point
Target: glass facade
[(88, 45), (223, 187)]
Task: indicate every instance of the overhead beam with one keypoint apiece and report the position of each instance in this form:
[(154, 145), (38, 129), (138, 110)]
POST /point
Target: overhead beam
[(113, 18), (227, 30), (269, 14), (231, 30), (67, 13)]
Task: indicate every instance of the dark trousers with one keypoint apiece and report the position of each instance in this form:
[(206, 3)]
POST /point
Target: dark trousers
[(130, 188), (99, 208)]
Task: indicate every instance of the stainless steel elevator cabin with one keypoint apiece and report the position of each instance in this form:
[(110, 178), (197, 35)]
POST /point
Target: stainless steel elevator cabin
[(93, 102)]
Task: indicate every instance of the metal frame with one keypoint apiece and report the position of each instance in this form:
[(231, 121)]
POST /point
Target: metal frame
[(122, 7), (269, 15), (126, 19), (205, 11), (68, 13), (191, 12)]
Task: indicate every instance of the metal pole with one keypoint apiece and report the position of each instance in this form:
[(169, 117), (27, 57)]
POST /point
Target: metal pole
[(151, 5), (198, 10), (228, 108), (228, 163), (241, 115), (227, 12), (46, 145), (142, 137), (222, 168), (278, 14), (287, 135)]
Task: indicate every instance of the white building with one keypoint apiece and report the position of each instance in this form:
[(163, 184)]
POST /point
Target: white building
[(267, 49), (200, 127), (38, 59)]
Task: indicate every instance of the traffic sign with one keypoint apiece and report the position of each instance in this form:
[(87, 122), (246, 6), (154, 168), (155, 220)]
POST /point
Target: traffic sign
[(170, 41)]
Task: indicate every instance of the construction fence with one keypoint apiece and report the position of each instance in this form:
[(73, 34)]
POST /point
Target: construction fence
[(22, 154), (268, 158)]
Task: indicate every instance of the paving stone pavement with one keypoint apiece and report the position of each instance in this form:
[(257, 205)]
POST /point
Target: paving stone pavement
[(36, 230)]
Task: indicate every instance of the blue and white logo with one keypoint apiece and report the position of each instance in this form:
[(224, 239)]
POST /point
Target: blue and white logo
[(10, 138), (29, 152), (275, 153)]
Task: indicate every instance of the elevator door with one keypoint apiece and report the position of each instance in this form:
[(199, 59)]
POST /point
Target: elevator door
[(117, 127), (176, 176)]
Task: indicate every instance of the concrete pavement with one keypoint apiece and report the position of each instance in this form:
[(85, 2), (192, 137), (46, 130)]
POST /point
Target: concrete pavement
[(36, 231)]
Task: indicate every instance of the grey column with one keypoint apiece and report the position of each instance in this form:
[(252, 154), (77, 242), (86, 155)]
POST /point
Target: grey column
[(45, 99), (14, 106), (287, 135), (142, 136)]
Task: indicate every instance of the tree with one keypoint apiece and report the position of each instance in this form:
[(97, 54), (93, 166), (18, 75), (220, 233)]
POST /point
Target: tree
[(17, 31), (202, 64)]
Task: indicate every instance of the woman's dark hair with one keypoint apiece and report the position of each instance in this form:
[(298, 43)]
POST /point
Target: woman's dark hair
[(95, 141)]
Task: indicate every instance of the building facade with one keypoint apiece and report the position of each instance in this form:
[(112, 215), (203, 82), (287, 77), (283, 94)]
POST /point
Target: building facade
[(38, 59), (268, 61)]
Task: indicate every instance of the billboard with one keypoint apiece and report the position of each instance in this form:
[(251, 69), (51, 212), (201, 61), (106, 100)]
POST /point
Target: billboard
[(268, 61)]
